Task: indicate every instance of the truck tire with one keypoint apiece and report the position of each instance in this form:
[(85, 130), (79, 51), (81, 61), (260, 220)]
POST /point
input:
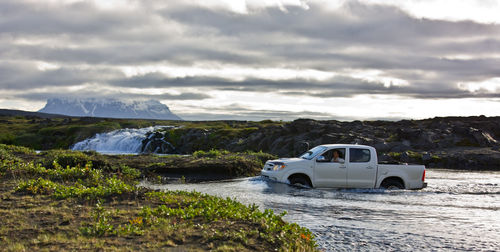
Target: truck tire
[(299, 181), (392, 184)]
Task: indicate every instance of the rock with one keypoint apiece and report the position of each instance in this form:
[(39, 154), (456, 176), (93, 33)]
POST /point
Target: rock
[(385, 158), (331, 138), (405, 157), (382, 147), (303, 125), (301, 147), (484, 139), (423, 136), (426, 157), (399, 147)]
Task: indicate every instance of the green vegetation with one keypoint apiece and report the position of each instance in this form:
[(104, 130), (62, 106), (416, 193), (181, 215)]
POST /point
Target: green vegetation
[(395, 155), (44, 134), (213, 134), (88, 191), (412, 155), (393, 138), (91, 202), (210, 154), (213, 162), (415, 157)]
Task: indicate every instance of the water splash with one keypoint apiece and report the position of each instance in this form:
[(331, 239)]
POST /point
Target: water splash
[(123, 141)]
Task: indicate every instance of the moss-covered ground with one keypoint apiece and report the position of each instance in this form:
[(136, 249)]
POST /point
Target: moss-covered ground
[(64, 200)]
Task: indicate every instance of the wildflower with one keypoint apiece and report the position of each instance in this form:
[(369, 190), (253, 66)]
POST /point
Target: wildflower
[(306, 237), (136, 221)]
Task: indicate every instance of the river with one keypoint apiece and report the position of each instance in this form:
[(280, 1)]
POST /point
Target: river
[(457, 211)]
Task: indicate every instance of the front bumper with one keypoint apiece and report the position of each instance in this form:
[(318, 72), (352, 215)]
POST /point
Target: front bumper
[(272, 175)]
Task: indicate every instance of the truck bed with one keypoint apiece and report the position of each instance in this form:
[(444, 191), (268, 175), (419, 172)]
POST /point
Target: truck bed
[(412, 174)]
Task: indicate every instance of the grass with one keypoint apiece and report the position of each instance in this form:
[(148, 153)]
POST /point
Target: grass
[(82, 206)]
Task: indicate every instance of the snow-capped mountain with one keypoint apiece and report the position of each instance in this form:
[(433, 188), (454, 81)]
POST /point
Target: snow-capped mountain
[(110, 108)]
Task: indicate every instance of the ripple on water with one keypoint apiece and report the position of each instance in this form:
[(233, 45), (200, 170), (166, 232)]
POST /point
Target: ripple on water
[(458, 211)]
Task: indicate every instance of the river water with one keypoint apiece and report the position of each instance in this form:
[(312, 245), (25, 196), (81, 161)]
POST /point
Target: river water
[(457, 211)]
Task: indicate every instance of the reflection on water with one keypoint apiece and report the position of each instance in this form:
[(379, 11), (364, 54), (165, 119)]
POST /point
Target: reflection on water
[(458, 211)]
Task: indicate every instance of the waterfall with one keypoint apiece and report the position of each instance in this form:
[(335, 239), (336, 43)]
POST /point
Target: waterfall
[(123, 141)]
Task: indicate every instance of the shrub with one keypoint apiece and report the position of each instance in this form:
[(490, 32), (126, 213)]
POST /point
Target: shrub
[(64, 158), (110, 187), (17, 149), (395, 155), (101, 225), (213, 153), (75, 158)]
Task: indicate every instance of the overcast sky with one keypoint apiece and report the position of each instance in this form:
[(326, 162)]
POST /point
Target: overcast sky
[(254, 60)]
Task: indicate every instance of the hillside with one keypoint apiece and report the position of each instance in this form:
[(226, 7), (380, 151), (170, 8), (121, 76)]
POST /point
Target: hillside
[(447, 142)]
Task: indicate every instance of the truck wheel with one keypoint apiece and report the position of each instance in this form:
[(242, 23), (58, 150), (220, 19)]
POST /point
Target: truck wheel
[(299, 181), (392, 184)]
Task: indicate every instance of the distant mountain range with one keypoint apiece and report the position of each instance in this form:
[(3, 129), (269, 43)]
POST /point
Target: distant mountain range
[(109, 108)]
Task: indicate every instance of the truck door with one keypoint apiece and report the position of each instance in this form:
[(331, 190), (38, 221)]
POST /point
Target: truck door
[(330, 169), (361, 168)]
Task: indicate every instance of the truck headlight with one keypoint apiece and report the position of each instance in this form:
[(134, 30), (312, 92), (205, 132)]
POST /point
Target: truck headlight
[(279, 167)]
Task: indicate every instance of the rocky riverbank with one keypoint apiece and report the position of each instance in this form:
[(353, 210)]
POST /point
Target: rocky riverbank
[(449, 142)]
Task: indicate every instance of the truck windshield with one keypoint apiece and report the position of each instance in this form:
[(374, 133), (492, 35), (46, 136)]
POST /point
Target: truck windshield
[(310, 154)]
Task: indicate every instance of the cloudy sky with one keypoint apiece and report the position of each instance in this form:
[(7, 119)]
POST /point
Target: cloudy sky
[(276, 59)]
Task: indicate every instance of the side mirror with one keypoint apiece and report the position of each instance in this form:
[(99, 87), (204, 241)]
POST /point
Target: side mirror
[(320, 159)]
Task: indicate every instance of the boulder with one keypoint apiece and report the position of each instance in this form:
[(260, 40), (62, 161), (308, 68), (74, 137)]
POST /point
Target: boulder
[(484, 139)]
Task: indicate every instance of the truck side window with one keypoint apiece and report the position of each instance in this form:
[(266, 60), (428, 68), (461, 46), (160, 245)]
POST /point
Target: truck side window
[(357, 155), (334, 156)]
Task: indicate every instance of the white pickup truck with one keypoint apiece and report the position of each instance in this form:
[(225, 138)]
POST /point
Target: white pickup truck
[(344, 166)]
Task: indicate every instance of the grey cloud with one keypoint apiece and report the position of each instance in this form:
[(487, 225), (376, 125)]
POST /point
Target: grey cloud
[(357, 36), (355, 23), (23, 76), (267, 37), (42, 18), (338, 86), (43, 96), (238, 112), (127, 54)]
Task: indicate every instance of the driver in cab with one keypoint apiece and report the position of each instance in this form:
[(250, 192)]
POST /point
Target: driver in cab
[(336, 157)]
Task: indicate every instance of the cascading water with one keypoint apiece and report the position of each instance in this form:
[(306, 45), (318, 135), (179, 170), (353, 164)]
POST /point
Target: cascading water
[(123, 141)]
